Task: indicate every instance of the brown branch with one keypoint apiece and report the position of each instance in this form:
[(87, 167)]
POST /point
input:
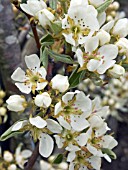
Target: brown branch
[(33, 158)]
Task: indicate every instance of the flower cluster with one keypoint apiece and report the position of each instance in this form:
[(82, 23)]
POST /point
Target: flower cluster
[(13, 162)]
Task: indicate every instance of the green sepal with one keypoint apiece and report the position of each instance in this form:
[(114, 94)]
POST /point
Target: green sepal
[(53, 4), (44, 57), (56, 27), (109, 152), (46, 40), (104, 6)]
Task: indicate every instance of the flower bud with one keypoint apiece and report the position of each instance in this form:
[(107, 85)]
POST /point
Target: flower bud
[(2, 94), (122, 44), (43, 100), (16, 103), (12, 167), (60, 83), (8, 156), (3, 111), (117, 71)]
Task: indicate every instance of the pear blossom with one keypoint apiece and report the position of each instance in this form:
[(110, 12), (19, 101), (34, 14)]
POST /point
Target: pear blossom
[(117, 71), (39, 10), (80, 23), (60, 83), (33, 79), (122, 45), (71, 111), (37, 125), (100, 61), (16, 103), (43, 100), (32, 7)]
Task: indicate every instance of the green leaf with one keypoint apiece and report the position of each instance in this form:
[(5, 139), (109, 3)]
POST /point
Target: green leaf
[(58, 159), (44, 57), (104, 6), (9, 133), (47, 40), (125, 66), (53, 4), (76, 77), (56, 27), (109, 152), (60, 57)]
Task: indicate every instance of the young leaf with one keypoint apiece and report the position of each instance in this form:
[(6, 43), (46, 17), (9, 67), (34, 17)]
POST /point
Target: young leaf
[(53, 4), (76, 77), (56, 27), (104, 6), (9, 133), (44, 57), (60, 57), (58, 159), (46, 40), (109, 152), (125, 66)]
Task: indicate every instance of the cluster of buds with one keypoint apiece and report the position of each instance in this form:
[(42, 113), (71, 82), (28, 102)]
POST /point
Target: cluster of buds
[(3, 110), (11, 161)]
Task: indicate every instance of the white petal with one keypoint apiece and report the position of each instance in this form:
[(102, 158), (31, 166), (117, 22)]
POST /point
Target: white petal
[(65, 23), (94, 150), (24, 88), (43, 100), (95, 121), (42, 72), (59, 141), (109, 51), (78, 123), (82, 102), (26, 153), (107, 157), (46, 145), (121, 28), (102, 18), (72, 147), (79, 55), (32, 62), (95, 162), (71, 156), (19, 75), (53, 126), (60, 83), (64, 123), (93, 64), (71, 166), (108, 142), (67, 97), (41, 86), (96, 3), (105, 66), (45, 17), (58, 108), (91, 44), (102, 130), (104, 37), (80, 2), (69, 38), (38, 122), (107, 27), (17, 126), (82, 139), (26, 9)]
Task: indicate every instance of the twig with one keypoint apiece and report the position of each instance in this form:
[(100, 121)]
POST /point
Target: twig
[(33, 158)]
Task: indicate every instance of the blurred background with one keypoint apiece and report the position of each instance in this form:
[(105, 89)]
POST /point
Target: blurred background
[(16, 41)]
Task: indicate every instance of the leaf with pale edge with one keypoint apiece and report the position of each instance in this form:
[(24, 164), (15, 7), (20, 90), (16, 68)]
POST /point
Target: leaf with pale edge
[(58, 159), (109, 152), (104, 6)]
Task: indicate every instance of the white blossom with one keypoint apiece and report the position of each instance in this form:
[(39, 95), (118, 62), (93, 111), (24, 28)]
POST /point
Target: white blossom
[(117, 71), (33, 79)]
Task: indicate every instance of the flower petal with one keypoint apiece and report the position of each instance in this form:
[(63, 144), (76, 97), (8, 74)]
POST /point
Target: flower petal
[(19, 75), (91, 44), (67, 97), (38, 122), (41, 86), (24, 88), (78, 123), (53, 126), (79, 55), (32, 62), (93, 64), (105, 66), (58, 108), (17, 126), (69, 38), (46, 145), (59, 141), (42, 72), (64, 123), (101, 18)]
